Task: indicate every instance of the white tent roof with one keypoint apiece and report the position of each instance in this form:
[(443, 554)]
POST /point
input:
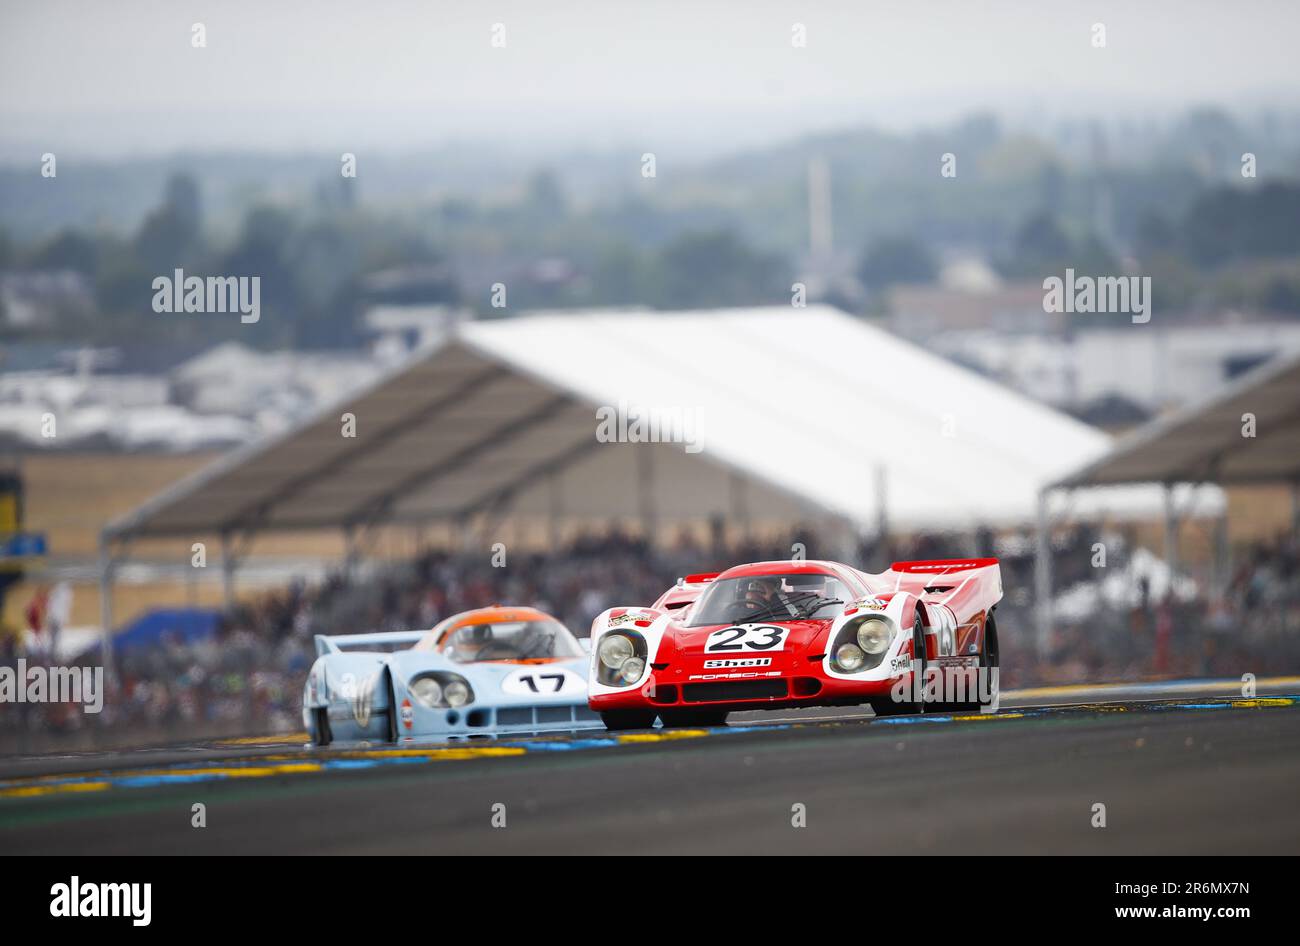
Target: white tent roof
[(795, 411), (1207, 440)]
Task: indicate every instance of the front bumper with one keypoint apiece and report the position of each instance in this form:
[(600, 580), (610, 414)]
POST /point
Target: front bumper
[(667, 690), (418, 722)]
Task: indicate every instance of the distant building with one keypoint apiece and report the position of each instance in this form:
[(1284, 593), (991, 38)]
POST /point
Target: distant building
[(272, 390), (919, 313), (104, 412), (223, 397), (397, 330), (414, 284), (33, 300), (1112, 377)]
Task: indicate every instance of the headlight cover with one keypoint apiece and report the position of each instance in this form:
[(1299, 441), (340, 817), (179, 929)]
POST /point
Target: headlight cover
[(615, 650), (456, 693), (850, 658), (632, 669), (861, 644), (875, 635), (441, 690), (427, 691), (621, 659)]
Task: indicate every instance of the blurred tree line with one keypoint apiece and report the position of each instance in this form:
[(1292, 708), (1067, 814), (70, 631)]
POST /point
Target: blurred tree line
[(727, 232)]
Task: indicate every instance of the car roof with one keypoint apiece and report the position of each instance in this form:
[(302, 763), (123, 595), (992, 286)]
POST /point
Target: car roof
[(499, 612), (783, 568), (859, 581), (490, 615)]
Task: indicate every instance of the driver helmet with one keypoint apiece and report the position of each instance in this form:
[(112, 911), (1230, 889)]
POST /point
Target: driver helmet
[(535, 640), (468, 641), (759, 590)]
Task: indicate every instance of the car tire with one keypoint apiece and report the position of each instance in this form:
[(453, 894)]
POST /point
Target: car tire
[(321, 721), (392, 707), (887, 707), (988, 661), (616, 720), (691, 719)]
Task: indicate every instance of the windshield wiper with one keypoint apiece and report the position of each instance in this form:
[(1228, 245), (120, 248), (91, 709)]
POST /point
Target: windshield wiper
[(787, 607), (821, 603), (543, 647)]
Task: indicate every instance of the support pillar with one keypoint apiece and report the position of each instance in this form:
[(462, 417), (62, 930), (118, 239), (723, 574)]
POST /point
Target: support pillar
[(227, 571), (739, 505), (1220, 573), (1043, 575), (106, 568), (1171, 535), (645, 480), (555, 511), (350, 552), (1295, 510), (881, 482)]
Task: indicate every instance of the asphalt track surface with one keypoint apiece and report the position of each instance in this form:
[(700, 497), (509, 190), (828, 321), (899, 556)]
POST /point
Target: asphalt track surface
[(1190, 768)]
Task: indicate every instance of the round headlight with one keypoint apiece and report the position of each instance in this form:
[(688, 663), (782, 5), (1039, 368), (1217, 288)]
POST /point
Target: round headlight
[(614, 650), (874, 635), (850, 657), (456, 693), (428, 691), (632, 670)]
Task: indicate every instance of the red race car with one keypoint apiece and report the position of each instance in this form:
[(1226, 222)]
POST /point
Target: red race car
[(801, 633)]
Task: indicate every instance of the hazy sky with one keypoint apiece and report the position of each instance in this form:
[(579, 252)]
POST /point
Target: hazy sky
[(107, 77)]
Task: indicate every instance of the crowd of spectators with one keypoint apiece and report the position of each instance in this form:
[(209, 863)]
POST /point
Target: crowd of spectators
[(1157, 629), (247, 676)]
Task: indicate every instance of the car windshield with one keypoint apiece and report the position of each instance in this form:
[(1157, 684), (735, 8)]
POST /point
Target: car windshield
[(777, 598), (511, 640)]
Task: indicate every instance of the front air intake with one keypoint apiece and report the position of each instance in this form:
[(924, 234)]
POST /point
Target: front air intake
[(737, 690)]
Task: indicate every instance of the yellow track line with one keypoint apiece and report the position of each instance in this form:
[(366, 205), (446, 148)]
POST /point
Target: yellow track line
[(29, 791), (1263, 701), (284, 739), (663, 736), (1231, 685), (981, 717), (431, 754)]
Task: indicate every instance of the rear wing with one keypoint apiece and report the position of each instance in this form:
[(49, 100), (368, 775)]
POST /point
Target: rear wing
[(942, 566), (956, 582), (684, 592), (382, 641)]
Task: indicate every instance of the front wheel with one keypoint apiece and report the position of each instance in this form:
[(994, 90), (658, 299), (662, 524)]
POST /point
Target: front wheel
[(888, 706), (689, 719), (616, 720), (393, 712), (321, 719)]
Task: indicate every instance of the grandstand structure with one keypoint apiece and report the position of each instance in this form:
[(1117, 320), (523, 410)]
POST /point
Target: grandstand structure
[(1246, 434), (752, 417)]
